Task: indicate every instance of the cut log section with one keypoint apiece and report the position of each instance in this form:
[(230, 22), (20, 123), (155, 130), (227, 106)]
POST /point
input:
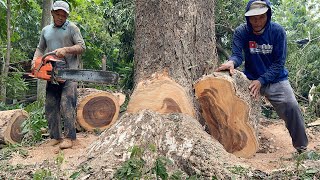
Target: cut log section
[(160, 94), (11, 125), (96, 110), (82, 92), (229, 113)]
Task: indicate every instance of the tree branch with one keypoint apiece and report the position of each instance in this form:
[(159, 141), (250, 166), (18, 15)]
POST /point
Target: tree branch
[(222, 51)]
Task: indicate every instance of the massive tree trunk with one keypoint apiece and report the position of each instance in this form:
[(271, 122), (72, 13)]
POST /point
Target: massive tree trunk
[(46, 20), (176, 37), (174, 47)]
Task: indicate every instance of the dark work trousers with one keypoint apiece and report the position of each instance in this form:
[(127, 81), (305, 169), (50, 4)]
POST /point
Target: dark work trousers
[(60, 108), (282, 98)]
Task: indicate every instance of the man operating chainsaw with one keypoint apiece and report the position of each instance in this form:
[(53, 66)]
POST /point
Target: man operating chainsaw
[(64, 38), (264, 46)]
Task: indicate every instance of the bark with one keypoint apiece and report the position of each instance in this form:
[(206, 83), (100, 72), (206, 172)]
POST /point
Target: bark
[(10, 125), (104, 62), (177, 137), (7, 62), (46, 20), (97, 110), (229, 111), (176, 37)]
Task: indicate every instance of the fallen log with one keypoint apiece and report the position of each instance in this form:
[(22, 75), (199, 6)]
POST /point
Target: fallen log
[(96, 109), (230, 113), (11, 125)]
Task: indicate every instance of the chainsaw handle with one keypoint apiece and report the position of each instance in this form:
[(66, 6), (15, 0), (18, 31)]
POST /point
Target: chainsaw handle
[(43, 59), (48, 54)]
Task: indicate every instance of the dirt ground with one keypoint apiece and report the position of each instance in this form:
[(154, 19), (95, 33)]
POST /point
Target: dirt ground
[(275, 150)]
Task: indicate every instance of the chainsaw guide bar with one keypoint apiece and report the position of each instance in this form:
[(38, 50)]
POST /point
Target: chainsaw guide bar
[(88, 75)]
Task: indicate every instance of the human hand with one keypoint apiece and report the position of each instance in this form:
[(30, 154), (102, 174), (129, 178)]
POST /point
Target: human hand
[(229, 65), (254, 88), (60, 52)]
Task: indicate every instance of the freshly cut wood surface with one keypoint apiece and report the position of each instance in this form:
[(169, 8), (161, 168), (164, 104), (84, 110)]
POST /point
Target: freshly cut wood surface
[(82, 92), (121, 98), (227, 114), (160, 94), (11, 125), (96, 110)]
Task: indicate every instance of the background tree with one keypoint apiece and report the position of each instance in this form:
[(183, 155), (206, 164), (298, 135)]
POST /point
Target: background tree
[(227, 19), (45, 20), (5, 70)]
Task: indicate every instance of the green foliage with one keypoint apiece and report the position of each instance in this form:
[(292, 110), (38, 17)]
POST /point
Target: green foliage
[(303, 65), (4, 107), (75, 175), (25, 28), (227, 18), (300, 21), (126, 73), (119, 17), (102, 41), (239, 170), (36, 122), (3, 4), (160, 167), (16, 86), (308, 155), (132, 168), (47, 173), (41, 174), (300, 172), (7, 152), (298, 17), (8, 168), (135, 167)]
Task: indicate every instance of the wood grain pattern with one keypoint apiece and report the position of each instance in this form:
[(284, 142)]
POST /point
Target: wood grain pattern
[(11, 125), (227, 116), (97, 111)]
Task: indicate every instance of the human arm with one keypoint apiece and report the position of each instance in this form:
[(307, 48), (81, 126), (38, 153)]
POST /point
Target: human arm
[(75, 49), (237, 46), (39, 50)]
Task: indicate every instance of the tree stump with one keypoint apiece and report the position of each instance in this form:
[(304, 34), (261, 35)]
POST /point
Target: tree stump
[(11, 125), (175, 136), (96, 109), (160, 94), (229, 111)]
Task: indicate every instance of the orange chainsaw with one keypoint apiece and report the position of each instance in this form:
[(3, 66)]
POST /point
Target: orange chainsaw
[(45, 68)]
